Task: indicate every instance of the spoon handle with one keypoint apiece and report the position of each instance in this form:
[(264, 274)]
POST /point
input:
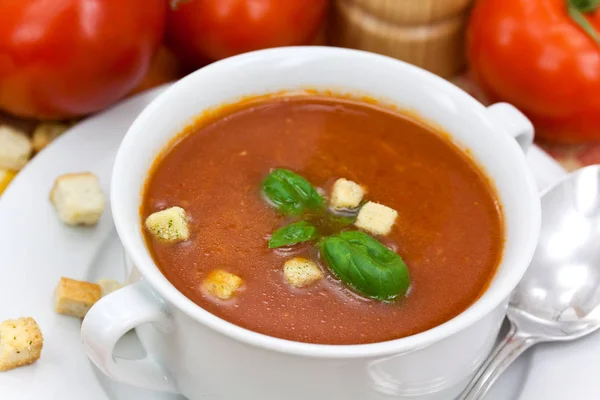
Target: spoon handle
[(511, 347)]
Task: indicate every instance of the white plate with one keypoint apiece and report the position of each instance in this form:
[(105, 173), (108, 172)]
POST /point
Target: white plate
[(36, 250)]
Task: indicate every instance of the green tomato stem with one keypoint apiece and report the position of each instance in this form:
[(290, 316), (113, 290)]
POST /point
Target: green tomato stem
[(576, 10)]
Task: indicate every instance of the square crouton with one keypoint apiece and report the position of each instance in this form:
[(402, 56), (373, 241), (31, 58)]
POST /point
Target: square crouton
[(6, 176), (346, 194), (376, 218), (15, 148), (45, 133), (170, 225), (21, 343), (75, 298), (222, 284), (300, 272), (78, 198), (108, 286)]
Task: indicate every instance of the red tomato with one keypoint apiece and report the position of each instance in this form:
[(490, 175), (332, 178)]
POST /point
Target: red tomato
[(65, 58), (532, 54), (206, 30)]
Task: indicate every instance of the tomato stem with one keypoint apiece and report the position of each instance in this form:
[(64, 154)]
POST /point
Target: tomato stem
[(585, 5), (576, 10)]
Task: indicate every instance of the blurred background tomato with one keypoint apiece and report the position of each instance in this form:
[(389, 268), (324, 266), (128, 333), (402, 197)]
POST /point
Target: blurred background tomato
[(543, 56), (66, 58), (208, 30)]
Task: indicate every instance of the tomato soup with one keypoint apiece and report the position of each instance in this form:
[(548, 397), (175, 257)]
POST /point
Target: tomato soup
[(448, 228)]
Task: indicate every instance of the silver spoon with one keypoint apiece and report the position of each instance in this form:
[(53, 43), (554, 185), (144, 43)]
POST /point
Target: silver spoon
[(558, 299)]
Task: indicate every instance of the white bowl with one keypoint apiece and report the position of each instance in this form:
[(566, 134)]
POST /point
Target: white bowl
[(198, 354)]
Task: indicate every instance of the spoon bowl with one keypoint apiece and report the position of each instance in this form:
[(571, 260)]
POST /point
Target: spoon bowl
[(558, 298)]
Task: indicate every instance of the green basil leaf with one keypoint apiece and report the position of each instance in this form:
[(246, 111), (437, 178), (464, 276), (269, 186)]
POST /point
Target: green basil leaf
[(291, 193), (297, 232), (366, 265), (342, 221), (330, 224)]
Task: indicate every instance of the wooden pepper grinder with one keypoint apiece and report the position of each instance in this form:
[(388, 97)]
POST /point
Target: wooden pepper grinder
[(426, 33)]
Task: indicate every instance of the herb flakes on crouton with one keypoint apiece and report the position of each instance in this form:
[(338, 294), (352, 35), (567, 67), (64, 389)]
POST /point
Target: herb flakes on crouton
[(78, 198), (170, 225), (300, 272), (75, 298), (376, 218), (346, 194), (21, 343), (222, 284)]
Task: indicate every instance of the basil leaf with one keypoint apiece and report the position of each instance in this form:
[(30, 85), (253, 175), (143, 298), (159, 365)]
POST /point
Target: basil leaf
[(366, 265), (291, 193), (297, 232), (329, 224), (342, 221)]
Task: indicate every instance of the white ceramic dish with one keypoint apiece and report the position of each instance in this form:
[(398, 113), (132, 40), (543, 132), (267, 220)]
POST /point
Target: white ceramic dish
[(36, 250), (193, 352)]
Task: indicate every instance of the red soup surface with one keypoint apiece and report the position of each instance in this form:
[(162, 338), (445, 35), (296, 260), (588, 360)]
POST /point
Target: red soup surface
[(449, 228)]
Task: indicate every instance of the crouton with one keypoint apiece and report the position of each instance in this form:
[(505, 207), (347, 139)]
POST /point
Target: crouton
[(78, 198), (45, 133), (221, 284), (21, 343), (6, 176), (346, 194), (75, 298), (170, 225), (109, 285), (15, 148), (300, 272), (376, 218)]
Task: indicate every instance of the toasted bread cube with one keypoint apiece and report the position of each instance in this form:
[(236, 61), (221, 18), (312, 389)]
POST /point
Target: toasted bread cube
[(15, 148), (346, 194), (78, 198), (376, 218), (170, 225), (75, 298), (45, 133), (300, 272), (6, 176), (221, 284), (109, 285), (21, 343)]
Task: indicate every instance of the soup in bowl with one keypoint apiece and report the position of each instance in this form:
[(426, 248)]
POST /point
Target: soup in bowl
[(446, 227), (316, 222)]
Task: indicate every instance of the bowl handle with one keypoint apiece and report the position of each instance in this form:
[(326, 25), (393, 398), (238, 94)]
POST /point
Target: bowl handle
[(111, 318), (546, 171), (514, 123)]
